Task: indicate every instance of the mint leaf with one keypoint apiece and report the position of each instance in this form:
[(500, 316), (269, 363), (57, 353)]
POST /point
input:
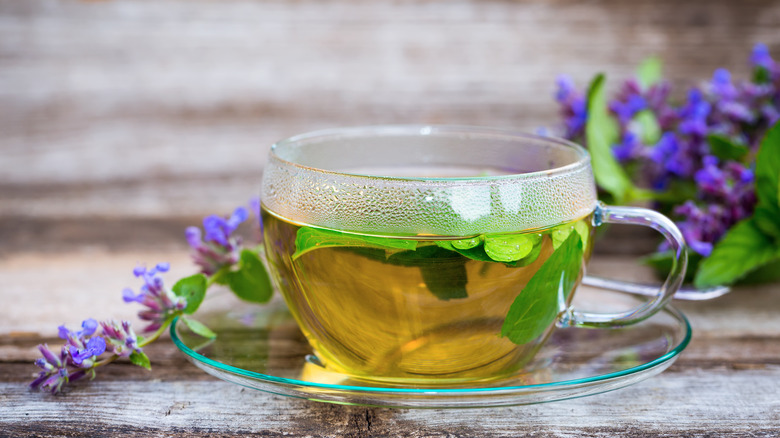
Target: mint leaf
[(527, 260), (446, 278), (768, 170), (141, 359), (250, 282), (582, 229), (601, 132), (649, 72), (467, 243), (650, 130), (443, 270), (476, 253), (199, 328), (193, 289), (743, 249), (510, 247), (561, 233), (725, 148), (539, 303), (308, 239)]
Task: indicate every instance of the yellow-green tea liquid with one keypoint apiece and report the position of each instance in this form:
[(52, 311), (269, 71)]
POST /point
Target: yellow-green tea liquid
[(405, 316)]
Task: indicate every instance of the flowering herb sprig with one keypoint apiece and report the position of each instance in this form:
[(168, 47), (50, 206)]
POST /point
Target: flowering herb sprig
[(711, 161), (221, 258)]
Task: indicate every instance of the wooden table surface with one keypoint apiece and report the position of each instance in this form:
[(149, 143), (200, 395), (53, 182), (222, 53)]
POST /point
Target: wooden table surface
[(122, 122)]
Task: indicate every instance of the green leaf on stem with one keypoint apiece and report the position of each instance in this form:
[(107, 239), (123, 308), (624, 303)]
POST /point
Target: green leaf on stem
[(251, 281), (661, 262), (199, 328), (725, 148), (767, 221), (649, 72), (539, 303), (141, 359), (601, 133), (761, 75), (650, 130), (743, 249), (768, 170), (193, 289)]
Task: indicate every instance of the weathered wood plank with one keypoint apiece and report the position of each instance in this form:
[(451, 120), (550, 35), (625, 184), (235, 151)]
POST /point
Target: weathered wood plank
[(688, 403), (66, 287), (156, 95)]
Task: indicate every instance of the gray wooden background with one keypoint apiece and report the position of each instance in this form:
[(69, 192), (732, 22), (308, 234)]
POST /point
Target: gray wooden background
[(167, 108), (123, 121)]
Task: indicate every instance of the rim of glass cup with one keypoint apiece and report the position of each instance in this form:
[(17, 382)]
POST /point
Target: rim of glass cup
[(583, 157)]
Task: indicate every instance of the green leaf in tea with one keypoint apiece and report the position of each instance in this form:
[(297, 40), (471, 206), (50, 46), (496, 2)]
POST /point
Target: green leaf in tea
[(510, 247), (199, 328), (467, 243), (539, 303), (743, 249), (308, 239), (527, 260), (193, 289), (443, 270), (476, 253), (250, 282), (725, 148), (141, 359)]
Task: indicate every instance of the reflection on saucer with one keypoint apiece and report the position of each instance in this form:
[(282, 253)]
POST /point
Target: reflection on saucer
[(261, 347)]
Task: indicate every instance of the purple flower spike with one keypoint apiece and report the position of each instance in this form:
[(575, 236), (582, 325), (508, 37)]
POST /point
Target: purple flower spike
[(84, 357), (628, 149), (218, 247), (760, 57), (574, 109), (161, 303), (121, 338), (88, 327), (77, 353)]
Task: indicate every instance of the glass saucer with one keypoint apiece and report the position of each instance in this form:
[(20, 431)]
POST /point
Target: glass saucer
[(260, 347)]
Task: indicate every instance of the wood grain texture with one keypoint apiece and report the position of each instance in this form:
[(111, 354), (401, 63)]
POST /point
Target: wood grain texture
[(121, 122), (725, 384), (156, 108)]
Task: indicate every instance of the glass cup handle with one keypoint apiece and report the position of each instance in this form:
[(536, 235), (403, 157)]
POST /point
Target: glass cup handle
[(660, 223)]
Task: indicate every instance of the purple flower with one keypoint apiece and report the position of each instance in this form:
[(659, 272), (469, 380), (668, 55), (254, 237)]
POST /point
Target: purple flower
[(80, 353), (760, 57), (721, 85), (626, 110), (121, 338), (82, 356), (694, 114), (628, 149), (574, 107), (161, 303), (54, 372), (80, 350), (217, 248), (710, 178)]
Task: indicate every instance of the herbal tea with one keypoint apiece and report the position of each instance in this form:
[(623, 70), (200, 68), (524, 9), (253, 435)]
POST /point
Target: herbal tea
[(426, 309)]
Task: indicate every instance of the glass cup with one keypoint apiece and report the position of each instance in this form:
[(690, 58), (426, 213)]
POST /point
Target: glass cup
[(438, 255)]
